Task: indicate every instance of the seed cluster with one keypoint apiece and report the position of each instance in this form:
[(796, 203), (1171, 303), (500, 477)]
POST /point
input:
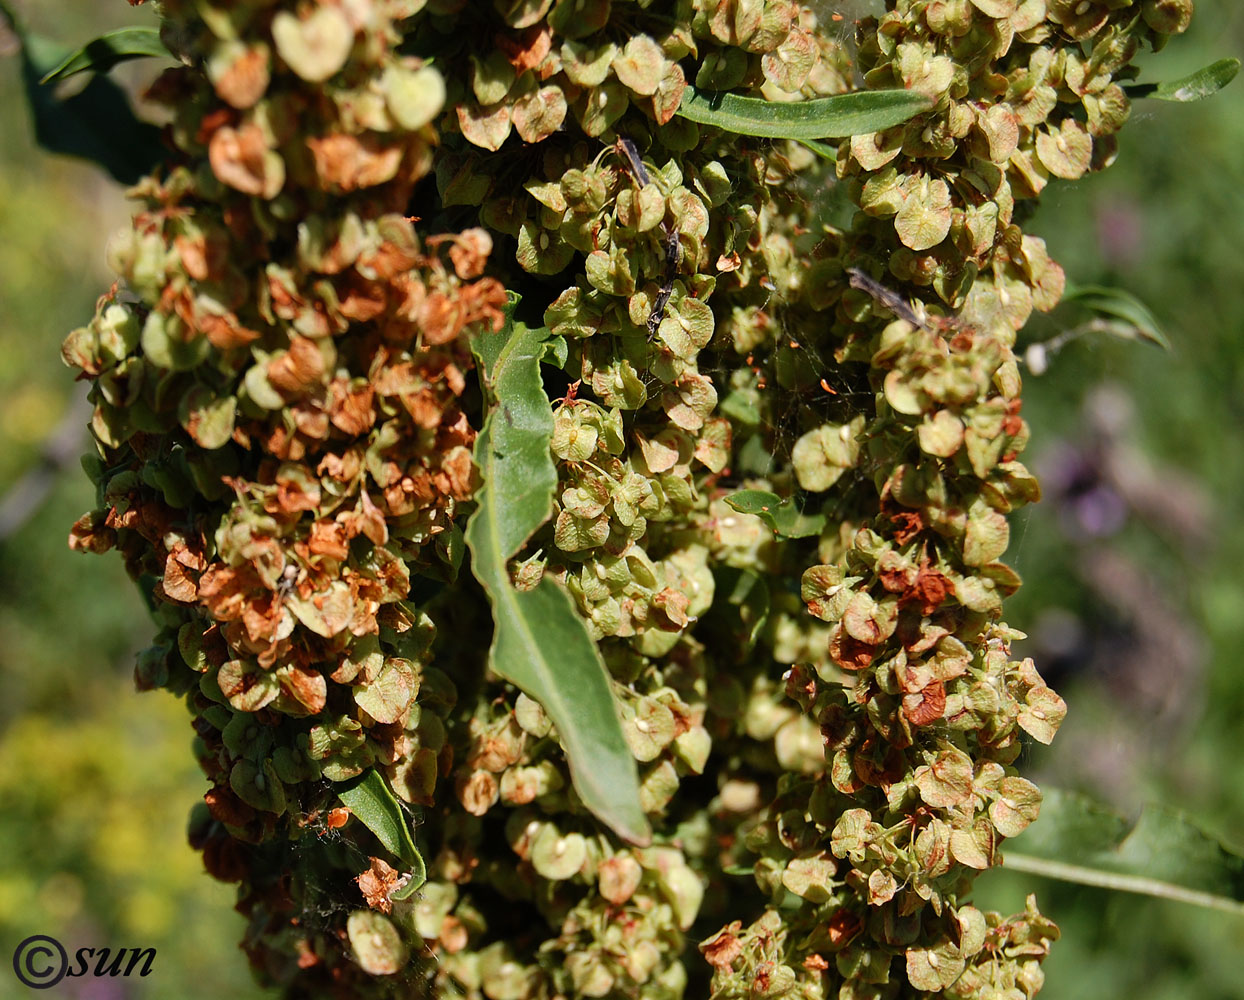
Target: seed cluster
[(825, 721)]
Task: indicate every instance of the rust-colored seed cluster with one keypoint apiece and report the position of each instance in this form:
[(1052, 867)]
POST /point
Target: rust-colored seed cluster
[(277, 399), (285, 409)]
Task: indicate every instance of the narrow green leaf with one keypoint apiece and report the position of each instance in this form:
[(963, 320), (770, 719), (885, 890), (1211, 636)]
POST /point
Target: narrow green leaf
[(786, 520), (1203, 83), (101, 54), (539, 642), (373, 802), (821, 149), (738, 870), (95, 124), (1163, 854), (1138, 321), (825, 118)]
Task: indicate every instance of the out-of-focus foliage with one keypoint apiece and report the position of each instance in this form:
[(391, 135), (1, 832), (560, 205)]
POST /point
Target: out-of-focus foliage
[(96, 781)]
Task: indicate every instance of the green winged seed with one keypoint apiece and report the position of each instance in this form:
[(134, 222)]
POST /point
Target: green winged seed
[(555, 856), (387, 697), (315, 47), (640, 65), (414, 97), (377, 945), (924, 218), (821, 456)]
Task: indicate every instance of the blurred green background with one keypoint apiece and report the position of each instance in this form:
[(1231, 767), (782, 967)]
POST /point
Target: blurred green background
[(1134, 595), (96, 781)]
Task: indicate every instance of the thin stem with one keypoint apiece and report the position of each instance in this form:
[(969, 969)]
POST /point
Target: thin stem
[(1138, 884)]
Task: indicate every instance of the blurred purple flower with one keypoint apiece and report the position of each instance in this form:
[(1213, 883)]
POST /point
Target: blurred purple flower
[(1120, 234)]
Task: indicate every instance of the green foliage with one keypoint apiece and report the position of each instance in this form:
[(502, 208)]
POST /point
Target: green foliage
[(372, 800), (103, 53), (1136, 317), (539, 641), (824, 118), (1193, 87), (1163, 853), (95, 124)]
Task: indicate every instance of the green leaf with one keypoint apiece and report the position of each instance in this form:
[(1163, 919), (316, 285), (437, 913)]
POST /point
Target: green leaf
[(820, 149), (825, 118), (1203, 83), (1138, 321), (786, 520), (373, 802), (1163, 854), (540, 643), (100, 55), (95, 124)]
